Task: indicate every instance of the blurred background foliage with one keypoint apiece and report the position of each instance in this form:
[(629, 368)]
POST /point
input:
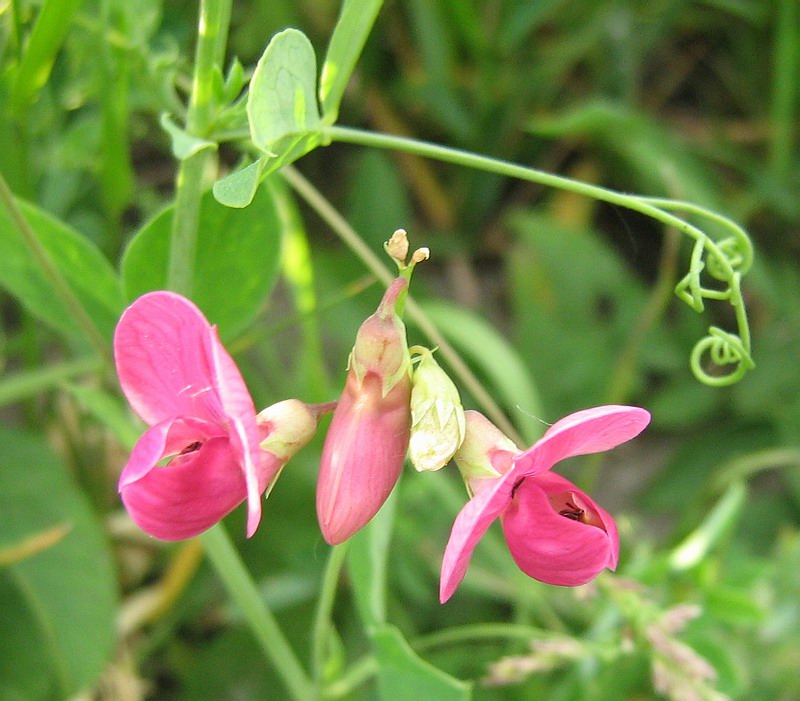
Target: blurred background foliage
[(556, 303)]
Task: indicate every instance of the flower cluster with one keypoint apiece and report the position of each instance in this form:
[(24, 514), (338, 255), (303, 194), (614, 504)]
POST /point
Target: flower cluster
[(207, 450)]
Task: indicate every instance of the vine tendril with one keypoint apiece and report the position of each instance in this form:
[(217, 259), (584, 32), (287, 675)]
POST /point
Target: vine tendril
[(724, 261)]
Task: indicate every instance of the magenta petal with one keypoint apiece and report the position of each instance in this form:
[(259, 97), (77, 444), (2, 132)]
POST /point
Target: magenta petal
[(363, 455), (468, 528), (188, 496), (162, 440), (160, 353), (550, 547), (238, 406), (588, 431)]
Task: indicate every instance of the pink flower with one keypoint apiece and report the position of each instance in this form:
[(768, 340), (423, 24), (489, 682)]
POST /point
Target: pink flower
[(200, 458), (368, 437), (555, 532)]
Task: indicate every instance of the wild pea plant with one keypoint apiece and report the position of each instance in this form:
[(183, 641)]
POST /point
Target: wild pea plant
[(168, 329)]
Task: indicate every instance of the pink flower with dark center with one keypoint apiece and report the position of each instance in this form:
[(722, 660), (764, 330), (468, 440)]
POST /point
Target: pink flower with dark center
[(200, 458), (556, 533)]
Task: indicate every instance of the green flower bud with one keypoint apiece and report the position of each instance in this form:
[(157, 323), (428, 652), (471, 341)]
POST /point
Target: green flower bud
[(437, 417), (485, 454)]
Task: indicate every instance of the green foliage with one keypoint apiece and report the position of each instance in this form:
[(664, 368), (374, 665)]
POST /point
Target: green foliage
[(237, 260), (551, 292), (58, 603), (86, 271), (348, 38)]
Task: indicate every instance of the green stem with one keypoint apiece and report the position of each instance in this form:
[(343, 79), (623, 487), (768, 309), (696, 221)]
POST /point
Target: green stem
[(211, 38), (52, 274), (322, 621), (511, 170), (243, 590), (785, 90), (351, 238)]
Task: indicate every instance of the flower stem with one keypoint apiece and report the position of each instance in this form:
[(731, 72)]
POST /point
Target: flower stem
[(52, 274), (244, 592), (211, 38), (322, 621)]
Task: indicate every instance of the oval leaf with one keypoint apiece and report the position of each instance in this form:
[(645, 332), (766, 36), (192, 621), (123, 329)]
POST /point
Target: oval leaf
[(282, 102), (404, 676), (85, 269), (238, 251)]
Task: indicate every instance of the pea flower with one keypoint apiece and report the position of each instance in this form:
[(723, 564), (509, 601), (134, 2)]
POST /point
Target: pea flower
[(201, 456), (555, 532), (366, 443)]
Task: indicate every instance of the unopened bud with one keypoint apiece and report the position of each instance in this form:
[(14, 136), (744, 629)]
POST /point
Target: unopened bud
[(437, 417), (287, 426), (367, 440), (397, 246), (381, 348), (420, 254)]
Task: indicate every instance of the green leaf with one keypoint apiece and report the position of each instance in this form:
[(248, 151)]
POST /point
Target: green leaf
[(184, 144), (237, 260), (58, 606), (238, 189), (496, 358), (347, 41), (282, 102), (404, 676), (85, 269)]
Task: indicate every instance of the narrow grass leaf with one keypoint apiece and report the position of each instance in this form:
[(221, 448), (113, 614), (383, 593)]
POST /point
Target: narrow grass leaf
[(347, 41)]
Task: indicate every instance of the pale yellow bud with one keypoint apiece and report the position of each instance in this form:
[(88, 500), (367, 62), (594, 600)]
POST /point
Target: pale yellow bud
[(286, 426), (437, 417), (397, 246)]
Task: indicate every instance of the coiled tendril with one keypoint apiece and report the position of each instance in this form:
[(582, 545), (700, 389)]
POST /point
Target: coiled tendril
[(725, 262)]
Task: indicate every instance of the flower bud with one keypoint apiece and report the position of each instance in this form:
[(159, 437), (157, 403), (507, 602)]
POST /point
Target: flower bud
[(437, 417), (397, 246), (285, 428), (485, 454), (381, 348), (367, 440)]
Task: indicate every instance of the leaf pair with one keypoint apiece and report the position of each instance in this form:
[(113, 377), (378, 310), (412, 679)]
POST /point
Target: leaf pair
[(286, 109)]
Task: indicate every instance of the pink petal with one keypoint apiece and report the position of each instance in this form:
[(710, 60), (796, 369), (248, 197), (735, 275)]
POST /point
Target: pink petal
[(363, 455), (239, 410), (469, 527), (588, 431), (550, 547), (167, 438), (188, 496), (160, 352)]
